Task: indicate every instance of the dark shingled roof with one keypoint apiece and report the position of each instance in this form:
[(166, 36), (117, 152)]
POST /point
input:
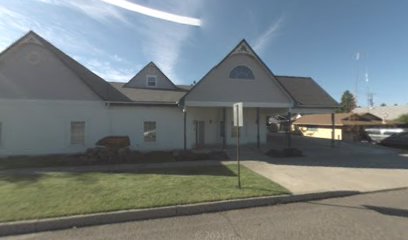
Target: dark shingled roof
[(306, 92), (150, 96), (185, 87), (98, 85)]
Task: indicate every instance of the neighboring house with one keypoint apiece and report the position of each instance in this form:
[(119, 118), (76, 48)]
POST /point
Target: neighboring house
[(49, 103), (348, 126), (386, 113)]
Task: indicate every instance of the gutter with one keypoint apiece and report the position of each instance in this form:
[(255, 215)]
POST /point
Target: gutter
[(169, 104)]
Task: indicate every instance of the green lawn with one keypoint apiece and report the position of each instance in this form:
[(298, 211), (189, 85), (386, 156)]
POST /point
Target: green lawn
[(51, 194)]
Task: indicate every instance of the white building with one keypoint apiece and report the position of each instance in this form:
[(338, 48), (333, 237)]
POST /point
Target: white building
[(49, 103)]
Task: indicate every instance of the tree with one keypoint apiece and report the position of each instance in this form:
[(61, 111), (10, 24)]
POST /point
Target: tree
[(403, 119), (383, 105), (348, 102)]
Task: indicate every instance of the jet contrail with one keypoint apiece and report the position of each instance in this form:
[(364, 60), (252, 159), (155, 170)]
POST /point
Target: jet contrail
[(154, 13)]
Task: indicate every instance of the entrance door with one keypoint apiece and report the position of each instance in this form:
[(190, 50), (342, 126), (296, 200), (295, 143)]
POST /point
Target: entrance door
[(199, 130)]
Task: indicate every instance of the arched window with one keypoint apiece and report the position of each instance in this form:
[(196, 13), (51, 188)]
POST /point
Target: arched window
[(241, 72)]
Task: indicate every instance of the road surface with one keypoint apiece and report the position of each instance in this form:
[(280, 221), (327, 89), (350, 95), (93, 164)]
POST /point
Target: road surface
[(382, 215)]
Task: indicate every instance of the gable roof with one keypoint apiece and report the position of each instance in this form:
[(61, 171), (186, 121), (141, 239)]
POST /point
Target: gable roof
[(306, 92), (243, 45), (150, 95), (95, 83), (341, 119), (139, 74), (293, 87), (185, 87)]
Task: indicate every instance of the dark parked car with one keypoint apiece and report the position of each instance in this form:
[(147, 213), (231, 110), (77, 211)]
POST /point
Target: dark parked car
[(399, 140)]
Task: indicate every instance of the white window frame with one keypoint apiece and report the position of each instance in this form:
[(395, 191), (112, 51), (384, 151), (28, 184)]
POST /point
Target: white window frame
[(147, 81), (71, 136), (241, 77), (155, 132)]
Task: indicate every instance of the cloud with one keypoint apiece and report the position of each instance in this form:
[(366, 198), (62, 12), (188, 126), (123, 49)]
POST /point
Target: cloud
[(154, 13), (108, 71), (158, 41), (95, 9), (163, 41), (262, 41), (13, 25)]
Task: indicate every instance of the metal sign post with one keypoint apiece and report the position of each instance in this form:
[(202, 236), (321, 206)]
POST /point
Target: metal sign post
[(238, 122)]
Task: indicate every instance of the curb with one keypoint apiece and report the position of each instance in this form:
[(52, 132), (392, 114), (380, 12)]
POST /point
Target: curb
[(31, 226)]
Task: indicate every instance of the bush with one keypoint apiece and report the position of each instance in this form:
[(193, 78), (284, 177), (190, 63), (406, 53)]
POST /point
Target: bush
[(403, 119)]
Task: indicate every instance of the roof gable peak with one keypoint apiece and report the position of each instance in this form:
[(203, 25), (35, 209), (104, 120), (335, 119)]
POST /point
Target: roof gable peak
[(150, 69), (243, 47)]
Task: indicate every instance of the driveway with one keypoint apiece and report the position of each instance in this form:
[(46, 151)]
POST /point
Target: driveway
[(348, 166)]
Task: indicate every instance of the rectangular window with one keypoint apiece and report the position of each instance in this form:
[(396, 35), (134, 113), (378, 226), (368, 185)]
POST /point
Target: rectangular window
[(150, 131), (151, 81), (78, 132), (312, 129)]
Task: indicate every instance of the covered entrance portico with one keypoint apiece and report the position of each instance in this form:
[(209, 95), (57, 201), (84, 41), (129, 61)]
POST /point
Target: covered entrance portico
[(243, 77), (206, 125)]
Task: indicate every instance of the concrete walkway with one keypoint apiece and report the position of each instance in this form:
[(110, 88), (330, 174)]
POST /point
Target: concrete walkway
[(354, 167)]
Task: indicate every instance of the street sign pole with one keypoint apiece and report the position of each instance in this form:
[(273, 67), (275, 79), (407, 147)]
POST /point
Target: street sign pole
[(238, 122), (238, 136)]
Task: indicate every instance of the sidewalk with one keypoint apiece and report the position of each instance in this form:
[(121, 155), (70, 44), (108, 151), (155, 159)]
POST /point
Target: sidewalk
[(347, 167)]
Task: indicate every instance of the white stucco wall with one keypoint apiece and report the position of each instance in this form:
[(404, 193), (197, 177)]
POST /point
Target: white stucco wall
[(129, 121), (31, 127), (35, 127)]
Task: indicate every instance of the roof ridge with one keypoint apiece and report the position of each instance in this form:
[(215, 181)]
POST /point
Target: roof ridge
[(157, 67)]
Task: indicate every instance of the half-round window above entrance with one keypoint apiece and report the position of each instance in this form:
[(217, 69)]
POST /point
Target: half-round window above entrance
[(242, 72)]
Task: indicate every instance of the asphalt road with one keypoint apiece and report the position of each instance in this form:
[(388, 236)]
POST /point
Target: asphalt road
[(373, 216)]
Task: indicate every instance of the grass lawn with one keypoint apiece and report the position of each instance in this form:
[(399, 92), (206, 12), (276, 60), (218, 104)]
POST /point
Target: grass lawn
[(51, 194)]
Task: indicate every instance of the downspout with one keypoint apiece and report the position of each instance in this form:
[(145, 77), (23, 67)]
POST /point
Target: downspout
[(185, 128)]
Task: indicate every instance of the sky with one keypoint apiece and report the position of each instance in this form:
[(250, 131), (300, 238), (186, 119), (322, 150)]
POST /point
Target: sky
[(355, 45)]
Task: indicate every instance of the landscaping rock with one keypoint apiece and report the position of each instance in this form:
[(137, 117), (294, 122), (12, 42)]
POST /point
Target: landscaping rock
[(114, 142)]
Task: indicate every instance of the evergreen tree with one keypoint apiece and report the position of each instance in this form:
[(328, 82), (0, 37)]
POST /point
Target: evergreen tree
[(348, 102), (403, 119)]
